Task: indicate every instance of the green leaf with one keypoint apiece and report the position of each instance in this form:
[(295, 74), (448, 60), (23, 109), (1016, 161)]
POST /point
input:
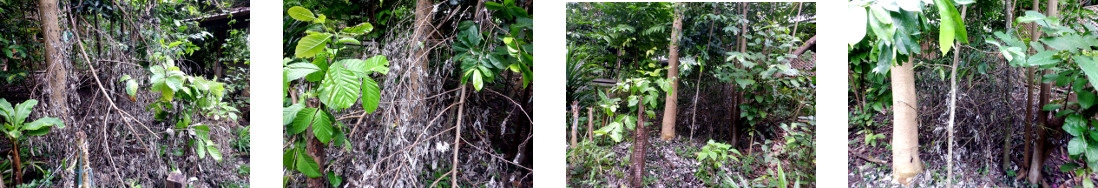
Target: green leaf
[(478, 81), (1089, 66), (22, 111), (374, 64), (306, 165), (289, 113), (348, 40), (334, 179), (322, 127), (1086, 99), (44, 122), (1076, 146), (371, 95), (301, 14), (6, 110), (364, 27), (1068, 167), (1075, 125), (948, 30), (339, 90), (298, 70), (310, 45), (214, 152), (1042, 58), (309, 117)]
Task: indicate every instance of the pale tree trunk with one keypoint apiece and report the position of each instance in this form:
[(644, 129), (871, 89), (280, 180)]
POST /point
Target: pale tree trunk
[(670, 110), (737, 96), (575, 122), (1040, 145), (905, 132), (590, 123), (640, 142), (795, 23), (953, 105), (56, 71)]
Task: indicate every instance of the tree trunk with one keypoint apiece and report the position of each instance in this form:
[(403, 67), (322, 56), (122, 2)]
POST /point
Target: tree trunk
[(953, 106), (795, 24), (737, 96), (640, 142), (416, 68), (1039, 154), (1007, 141), (315, 148), (670, 109), (56, 71), (905, 133), (1031, 85), (575, 122), (590, 123)]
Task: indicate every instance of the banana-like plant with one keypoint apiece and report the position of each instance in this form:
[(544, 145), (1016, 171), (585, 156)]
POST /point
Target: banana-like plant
[(338, 84), (16, 127)]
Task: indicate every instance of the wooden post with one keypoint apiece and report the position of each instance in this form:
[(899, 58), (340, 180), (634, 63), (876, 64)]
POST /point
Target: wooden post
[(575, 122)]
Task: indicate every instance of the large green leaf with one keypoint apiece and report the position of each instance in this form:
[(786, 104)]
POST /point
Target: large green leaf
[(952, 26), (22, 111), (1089, 66), (309, 117), (306, 165), (6, 110), (1075, 125), (374, 64), (371, 95), (214, 152), (340, 87), (1042, 58), (1086, 99), (289, 113), (322, 127), (1076, 146), (43, 123), (301, 14), (297, 70), (310, 45)]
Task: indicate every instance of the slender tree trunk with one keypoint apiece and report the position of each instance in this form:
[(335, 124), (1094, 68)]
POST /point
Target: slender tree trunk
[(795, 23), (1032, 86), (737, 96), (953, 105), (575, 122), (417, 67), (56, 71), (457, 139), (670, 110), (1007, 141), (640, 142), (590, 123), (905, 133), (1039, 154)]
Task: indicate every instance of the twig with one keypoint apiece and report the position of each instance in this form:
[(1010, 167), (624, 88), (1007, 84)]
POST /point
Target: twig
[(870, 159), (433, 184), (109, 155), (457, 137), (516, 104), (500, 158)]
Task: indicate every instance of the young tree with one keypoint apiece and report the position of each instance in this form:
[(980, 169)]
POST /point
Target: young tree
[(56, 70), (670, 109)]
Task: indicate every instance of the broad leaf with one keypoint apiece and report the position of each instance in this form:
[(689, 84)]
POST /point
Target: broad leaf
[(371, 95), (306, 165), (1089, 66), (310, 45), (1076, 146), (22, 111), (301, 14), (298, 70), (289, 113), (1075, 125), (44, 122), (340, 87)]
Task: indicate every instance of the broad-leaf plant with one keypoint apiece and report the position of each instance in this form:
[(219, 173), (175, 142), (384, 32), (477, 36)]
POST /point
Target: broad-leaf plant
[(337, 83)]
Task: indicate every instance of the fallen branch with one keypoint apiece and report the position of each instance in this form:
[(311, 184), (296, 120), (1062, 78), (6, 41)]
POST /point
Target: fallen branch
[(870, 159)]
